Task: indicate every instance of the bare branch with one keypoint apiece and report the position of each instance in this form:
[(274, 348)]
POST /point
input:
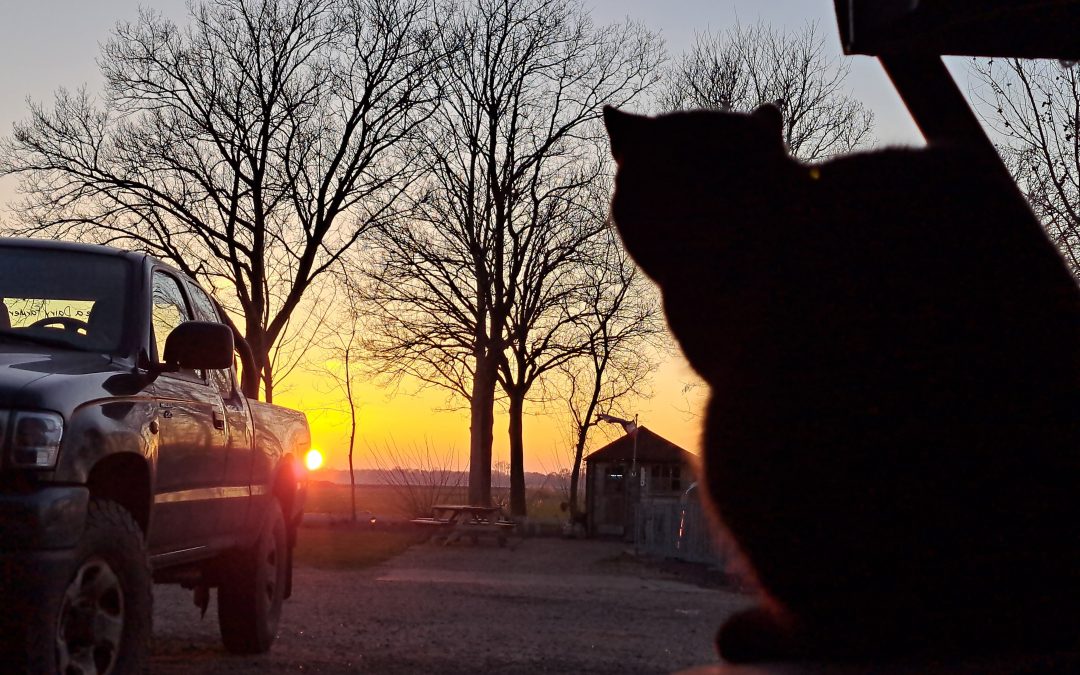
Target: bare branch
[(1033, 109), (262, 139), (747, 66), (478, 276)]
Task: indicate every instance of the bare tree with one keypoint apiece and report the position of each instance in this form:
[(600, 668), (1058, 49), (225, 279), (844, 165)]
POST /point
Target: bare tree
[(1033, 108), (623, 331), (554, 291), (342, 344), (252, 147), (420, 476), (507, 150), (747, 66)]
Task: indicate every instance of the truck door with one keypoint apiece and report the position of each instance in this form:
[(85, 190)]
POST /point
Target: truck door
[(237, 419), (189, 490)]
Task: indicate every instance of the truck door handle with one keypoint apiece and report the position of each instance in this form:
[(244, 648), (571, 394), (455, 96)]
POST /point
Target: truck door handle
[(219, 418)]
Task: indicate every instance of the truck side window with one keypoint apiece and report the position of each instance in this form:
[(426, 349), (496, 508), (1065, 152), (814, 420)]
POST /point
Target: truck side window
[(204, 306), (169, 310), (205, 310)]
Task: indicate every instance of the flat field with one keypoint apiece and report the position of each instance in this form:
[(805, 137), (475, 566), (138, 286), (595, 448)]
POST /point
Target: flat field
[(391, 501)]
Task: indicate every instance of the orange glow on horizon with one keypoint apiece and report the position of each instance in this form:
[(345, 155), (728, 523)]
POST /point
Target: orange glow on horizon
[(389, 418)]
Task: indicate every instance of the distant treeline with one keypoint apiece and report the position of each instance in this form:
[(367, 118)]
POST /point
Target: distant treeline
[(533, 479)]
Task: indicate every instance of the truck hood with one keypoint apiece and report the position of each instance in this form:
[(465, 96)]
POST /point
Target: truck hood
[(39, 377)]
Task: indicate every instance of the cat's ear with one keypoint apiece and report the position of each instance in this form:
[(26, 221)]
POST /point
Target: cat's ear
[(770, 118), (623, 129)]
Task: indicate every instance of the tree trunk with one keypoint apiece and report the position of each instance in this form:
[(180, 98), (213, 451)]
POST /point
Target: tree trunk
[(256, 339), (481, 430), (575, 471), (268, 383), (352, 442), (517, 454), (583, 436)]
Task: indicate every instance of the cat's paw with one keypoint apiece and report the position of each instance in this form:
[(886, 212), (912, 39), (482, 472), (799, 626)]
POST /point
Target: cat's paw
[(758, 635)]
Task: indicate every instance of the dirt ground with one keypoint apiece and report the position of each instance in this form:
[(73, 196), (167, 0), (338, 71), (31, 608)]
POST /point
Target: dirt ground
[(548, 606)]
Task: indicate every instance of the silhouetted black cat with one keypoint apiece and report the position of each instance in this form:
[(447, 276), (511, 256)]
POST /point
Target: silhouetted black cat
[(893, 349)]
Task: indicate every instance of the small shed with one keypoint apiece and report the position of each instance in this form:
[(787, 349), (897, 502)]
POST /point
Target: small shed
[(637, 468)]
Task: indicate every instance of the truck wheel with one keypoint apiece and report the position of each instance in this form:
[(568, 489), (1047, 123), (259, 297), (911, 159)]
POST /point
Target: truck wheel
[(101, 622), (253, 588)]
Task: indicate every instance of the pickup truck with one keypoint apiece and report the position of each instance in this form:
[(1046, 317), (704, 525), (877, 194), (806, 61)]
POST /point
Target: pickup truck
[(128, 456)]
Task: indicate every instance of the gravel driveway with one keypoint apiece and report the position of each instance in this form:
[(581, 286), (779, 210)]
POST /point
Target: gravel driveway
[(550, 606)]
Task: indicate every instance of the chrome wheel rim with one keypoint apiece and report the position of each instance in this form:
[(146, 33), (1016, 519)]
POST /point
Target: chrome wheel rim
[(91, 621)]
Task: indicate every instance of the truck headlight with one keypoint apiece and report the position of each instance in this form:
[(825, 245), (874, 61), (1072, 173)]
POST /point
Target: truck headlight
[(35, 439)]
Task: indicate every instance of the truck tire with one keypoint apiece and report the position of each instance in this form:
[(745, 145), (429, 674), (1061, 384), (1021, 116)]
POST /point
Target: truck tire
[(100, 624), (253, 588)]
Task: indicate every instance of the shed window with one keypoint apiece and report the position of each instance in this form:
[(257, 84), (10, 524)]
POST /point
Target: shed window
[(613, 478), (666, 478)]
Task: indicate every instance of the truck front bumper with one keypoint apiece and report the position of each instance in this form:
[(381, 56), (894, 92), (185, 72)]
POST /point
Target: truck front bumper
[(39, 530), (47, 518)]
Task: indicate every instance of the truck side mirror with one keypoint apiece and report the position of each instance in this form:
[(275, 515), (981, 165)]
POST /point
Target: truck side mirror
[(198, 345)]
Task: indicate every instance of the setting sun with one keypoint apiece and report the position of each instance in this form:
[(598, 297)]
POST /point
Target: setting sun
[(313, 459)]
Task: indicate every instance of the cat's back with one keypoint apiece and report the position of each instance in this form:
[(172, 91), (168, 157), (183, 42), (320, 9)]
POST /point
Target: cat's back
[(916, 186), (940, 219)]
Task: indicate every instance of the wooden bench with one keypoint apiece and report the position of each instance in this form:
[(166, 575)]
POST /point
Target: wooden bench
[(469, 521), (430, 521)]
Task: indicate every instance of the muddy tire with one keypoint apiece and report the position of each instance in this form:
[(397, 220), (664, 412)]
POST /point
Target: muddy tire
[(100, 623), (253, 589)]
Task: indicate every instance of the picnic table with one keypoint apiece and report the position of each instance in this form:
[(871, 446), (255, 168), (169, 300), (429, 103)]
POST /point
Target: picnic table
[(462, 520)]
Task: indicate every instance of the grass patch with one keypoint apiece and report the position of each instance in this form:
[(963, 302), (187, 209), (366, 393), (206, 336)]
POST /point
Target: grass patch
[(349, 547), (387, 500)]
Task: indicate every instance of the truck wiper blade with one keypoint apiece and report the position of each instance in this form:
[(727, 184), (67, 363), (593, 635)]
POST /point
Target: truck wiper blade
[(35, 338)]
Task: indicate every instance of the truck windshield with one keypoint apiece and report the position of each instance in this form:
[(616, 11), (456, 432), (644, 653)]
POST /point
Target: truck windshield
[(67, 299)]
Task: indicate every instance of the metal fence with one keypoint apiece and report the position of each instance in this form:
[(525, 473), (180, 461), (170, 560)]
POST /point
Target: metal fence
[(675, 529)]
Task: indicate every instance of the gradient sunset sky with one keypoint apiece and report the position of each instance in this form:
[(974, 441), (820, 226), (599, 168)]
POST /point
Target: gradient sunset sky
[(51, 43)]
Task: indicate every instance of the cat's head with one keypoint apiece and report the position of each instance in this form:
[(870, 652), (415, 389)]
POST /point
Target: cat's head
[(686, 181), (694, 136)]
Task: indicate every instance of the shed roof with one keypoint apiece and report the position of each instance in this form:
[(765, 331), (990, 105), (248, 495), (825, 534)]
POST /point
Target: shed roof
[(651, 447)]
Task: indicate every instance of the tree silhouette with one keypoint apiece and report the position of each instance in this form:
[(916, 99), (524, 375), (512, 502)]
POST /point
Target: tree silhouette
[(251, 147), (622, 331), (747, 66), (1033, 108), (507, 152)]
